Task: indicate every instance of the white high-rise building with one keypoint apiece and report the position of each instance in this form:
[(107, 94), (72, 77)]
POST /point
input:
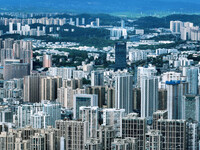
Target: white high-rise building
[(18, 27), (149, 95), (11, 28), (27, 111), (64, 72), (97, 22), (169, 76), (77, 21), (175, 26), (123, 92), (78, 74), (114, 117), (145, 71), (91, 115), (65, 97), (122, 24), (40, 120), (174, 99)]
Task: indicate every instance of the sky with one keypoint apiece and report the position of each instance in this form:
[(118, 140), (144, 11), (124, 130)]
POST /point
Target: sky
[(102, 6)]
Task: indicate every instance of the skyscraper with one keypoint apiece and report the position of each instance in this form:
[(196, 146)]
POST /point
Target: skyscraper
[(106, 134), (175, 26), (145, 71), (192, 79), (120, 55), (15, 69), (97, 22), (134, 126), (98, 90), (176, 88), (97, 78), (47, 61), (75, 133), (48, 87), (114, 117), (172, 129), (149, 95), (153, 140), (191, 107), (11, 27), (31, 88), (91, 115), (83, 100), (123, 92)]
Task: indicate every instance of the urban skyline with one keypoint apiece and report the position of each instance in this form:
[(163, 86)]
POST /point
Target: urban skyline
[(93, 81)]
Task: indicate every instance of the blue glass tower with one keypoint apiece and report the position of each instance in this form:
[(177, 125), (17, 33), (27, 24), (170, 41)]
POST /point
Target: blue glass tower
[(120, 55)]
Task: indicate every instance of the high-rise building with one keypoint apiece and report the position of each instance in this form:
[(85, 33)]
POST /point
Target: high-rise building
[(11, 28), (74, 132), (90, 115), (97, 78), (123, 92), (48, 87), (37, 142), (29, 138), (72, 83), (83, 21), (64, 72), (39, 114), (145, 71), (175, 26), (162, 99), (192, 134), (110, 97), (6, 115), (174, 99), (114, 117), (18, 27), (160, 114), (106, 134), (173, 133), (149, 95), (47, 61), (97, 22), (153, 140), (136, 99), (7, 140), (98, 90), (40, 120), (176, 88), (192, 79), (120, 55), (15, 69), (77, 22), (78, 74), (191, 107), (31, 88), (122, 23), (134, 126), (83, 100), (65, 96)]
